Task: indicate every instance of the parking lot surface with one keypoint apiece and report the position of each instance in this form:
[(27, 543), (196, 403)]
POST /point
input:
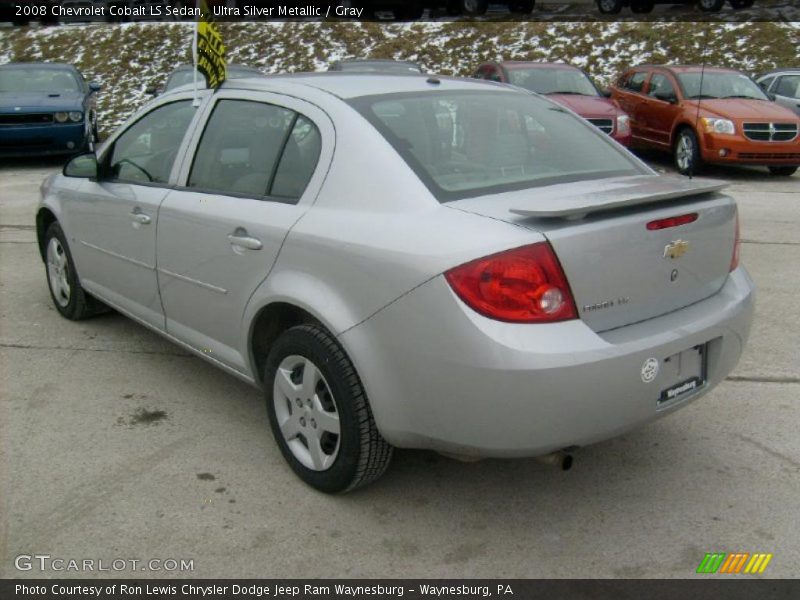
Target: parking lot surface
[(117, 444)]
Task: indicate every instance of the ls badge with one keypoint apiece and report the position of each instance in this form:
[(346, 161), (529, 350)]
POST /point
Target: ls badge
[(676, 249)]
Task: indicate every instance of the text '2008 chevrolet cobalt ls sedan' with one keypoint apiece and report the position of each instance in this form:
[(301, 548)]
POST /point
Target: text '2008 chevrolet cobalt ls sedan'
[(405, 262)]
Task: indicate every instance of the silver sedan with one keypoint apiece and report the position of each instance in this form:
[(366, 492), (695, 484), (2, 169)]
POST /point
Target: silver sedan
[(405, 261)]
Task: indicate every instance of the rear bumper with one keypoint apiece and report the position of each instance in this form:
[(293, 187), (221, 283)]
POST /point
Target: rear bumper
[(739, 150), (441, 377), (28, 140)]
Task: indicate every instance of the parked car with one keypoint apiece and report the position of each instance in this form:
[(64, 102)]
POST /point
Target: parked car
[(402, 261), (566, 85), (613, 7), (377, 66), (46, 108), (784, 86), (709, 115), (184, 75)]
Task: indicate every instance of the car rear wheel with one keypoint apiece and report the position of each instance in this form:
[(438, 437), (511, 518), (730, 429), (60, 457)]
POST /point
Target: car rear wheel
[(711, 5), (783, 171), (474, 8), (687, 152), (319, 413), (69, 298), (610, 7), (522, 8)]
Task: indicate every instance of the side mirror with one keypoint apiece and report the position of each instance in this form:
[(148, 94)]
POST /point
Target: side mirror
[(82, 165), (605, 92), (95, 87)]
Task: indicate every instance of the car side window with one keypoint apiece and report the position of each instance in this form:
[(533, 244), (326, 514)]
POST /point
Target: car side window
[(298, 161), (661, 85), (636, 81), (789, 86), (766, 82), (146, 151), (257, 150)]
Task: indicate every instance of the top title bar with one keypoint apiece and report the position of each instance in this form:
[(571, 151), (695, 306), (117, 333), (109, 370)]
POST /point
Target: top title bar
[(73, 11)]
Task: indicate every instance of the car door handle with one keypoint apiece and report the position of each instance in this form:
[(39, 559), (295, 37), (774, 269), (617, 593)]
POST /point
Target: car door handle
[(141, 218), (245, 241)]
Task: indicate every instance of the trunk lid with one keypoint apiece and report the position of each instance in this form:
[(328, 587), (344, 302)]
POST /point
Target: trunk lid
[(621, 272)]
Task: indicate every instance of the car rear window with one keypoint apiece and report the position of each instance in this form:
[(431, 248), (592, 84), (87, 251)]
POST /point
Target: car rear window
[(471, 143)]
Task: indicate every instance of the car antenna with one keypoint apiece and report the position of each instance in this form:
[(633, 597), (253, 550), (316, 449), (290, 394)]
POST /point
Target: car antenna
[(699, 94)]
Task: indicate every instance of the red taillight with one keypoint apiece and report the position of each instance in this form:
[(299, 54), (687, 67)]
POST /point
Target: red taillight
[(523, 285), (672, 222), (737, 242)]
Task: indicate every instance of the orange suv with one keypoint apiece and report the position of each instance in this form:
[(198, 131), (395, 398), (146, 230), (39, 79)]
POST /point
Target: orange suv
[(709, 115)]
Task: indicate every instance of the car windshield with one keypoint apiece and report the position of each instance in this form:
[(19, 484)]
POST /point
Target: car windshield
[(185, 76), (716, 84), (553, 81), (45, 81), (470, 143)]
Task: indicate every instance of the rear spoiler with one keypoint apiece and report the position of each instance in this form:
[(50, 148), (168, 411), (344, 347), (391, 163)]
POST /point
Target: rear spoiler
[(618, 193)]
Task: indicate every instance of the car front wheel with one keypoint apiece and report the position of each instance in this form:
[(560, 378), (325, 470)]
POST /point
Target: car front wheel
[(687, 152), (70, 299), (319, 412), (609, 7), (783, 171), (711, 5)]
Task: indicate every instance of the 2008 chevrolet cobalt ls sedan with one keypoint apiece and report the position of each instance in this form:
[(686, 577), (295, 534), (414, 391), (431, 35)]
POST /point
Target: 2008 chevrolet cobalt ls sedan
[(405, 262)]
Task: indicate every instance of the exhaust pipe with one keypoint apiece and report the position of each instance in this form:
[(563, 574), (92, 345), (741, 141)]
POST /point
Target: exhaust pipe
[(561, 460)]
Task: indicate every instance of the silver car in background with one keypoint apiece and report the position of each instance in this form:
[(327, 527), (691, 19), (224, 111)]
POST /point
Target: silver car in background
[(404, 261)]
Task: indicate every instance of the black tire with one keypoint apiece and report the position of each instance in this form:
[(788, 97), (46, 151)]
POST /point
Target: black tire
[(610, 7), (693, 164), (363, 455), (80, 305), (474, 8), (522, 8), (642, 6), (737, 4), (783, 171), (711, 5)]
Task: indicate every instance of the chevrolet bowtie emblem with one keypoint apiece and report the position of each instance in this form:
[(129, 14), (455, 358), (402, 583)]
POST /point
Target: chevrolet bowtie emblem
[(676, 249)]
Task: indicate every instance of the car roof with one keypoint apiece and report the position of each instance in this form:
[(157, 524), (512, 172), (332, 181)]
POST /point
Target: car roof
[(346, 85), (687, 68), (520, 64), (43, 65)]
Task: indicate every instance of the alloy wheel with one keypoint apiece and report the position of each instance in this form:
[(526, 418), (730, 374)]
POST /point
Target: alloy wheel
[(684, 153), (58, 272), (306, 412)]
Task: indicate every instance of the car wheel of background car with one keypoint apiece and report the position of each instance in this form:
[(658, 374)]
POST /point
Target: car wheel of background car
[(474, 8), (609, 7), (783, 171), (319, 412), (62, 278), (737, 4), (523, 8), (687, 152), (642, 6), (711, 5)]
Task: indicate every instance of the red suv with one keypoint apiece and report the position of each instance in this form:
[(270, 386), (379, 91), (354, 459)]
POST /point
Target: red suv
[(566, 85), (708, 115)]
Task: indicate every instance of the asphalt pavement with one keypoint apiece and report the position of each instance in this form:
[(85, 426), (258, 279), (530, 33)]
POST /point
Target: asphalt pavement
[(117, 445)]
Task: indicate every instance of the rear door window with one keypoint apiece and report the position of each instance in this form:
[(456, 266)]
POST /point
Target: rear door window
[(257, 150), (635, 83)]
